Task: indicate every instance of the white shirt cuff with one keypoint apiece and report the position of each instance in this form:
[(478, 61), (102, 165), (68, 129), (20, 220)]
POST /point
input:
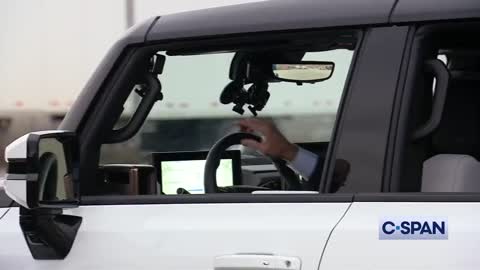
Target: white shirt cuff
[(304, 163)]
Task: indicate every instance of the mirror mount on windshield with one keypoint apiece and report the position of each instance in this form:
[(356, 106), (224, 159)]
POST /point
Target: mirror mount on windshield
[(256, 96)]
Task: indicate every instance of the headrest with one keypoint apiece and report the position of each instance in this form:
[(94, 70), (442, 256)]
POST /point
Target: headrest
[(459, 129)]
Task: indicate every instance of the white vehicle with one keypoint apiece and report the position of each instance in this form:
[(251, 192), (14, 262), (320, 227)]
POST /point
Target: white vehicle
[(396, 183)]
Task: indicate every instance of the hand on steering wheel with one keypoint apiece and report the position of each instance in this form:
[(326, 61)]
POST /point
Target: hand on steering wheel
[(215, 154), (273, 144)]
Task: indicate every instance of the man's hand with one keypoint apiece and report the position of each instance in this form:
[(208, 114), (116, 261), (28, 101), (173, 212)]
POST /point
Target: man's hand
[(274, 144)]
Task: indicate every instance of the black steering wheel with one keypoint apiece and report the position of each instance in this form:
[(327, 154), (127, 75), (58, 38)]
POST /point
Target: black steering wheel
[(215, 155)]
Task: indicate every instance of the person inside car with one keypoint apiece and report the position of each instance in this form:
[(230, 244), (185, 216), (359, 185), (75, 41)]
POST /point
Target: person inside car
[(274, 144)]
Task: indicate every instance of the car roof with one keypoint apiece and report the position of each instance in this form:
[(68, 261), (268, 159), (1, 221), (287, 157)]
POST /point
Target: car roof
[(278, 15), (433, 10), (271, 15)]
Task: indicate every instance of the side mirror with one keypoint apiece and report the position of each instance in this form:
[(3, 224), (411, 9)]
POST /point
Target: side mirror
[(43, 170), (303, 72), (42, 177)]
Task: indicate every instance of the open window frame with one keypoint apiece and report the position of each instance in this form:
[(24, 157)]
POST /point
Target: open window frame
[(107, 108)]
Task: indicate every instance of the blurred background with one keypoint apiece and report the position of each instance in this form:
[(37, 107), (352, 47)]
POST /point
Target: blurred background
[(49, 49)]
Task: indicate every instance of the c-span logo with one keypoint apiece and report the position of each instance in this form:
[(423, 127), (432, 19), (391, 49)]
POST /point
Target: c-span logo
[(415, 228)]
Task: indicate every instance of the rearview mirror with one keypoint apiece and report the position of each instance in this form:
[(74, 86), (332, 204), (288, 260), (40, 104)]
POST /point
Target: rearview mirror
[(303, 72), (43, 170)]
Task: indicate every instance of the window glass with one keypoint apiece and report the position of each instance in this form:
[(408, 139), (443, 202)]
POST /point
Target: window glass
[(446, 158), (191, 118)]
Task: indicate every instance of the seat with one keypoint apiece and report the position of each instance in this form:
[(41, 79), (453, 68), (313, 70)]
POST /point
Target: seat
[(454, 167), (451, 173)]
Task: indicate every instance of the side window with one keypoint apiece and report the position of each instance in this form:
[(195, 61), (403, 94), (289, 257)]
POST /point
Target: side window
[(446, 158), (168, 153)]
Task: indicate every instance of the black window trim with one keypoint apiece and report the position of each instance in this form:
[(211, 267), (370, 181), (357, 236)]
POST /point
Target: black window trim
[(376, 37), (328, 167), (227, 198), (393, 136), (419, 197)]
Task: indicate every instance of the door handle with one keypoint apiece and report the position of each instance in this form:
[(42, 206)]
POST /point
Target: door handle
[(256, 262)]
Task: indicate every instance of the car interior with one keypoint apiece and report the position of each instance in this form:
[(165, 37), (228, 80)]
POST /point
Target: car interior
[(447, 159), (225, 166)]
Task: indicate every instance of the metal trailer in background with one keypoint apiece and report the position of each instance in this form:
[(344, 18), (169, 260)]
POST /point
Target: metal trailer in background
[(41, 102), (40, 81)]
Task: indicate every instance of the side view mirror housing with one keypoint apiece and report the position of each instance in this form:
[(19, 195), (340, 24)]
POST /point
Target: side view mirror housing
[(42, 177), (43, 170)]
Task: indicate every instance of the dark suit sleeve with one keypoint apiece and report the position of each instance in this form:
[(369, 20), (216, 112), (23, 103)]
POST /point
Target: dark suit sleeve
[(313, 182), (340, 174)]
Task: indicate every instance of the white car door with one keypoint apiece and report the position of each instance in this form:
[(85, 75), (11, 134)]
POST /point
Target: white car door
[(279, 232), (392, 231)]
